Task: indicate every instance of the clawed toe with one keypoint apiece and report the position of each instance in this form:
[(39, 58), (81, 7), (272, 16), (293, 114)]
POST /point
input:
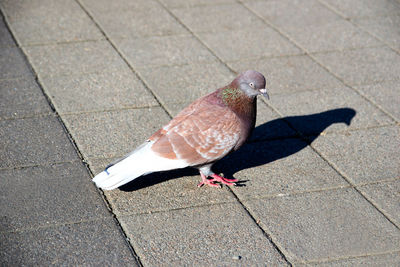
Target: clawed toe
[(208, 182), (224, 180), (229, 180)]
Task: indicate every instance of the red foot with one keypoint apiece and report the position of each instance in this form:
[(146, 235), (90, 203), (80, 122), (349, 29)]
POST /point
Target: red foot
[(216, 178)]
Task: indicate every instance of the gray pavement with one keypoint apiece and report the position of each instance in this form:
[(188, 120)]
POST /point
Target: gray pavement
[(82, 82)]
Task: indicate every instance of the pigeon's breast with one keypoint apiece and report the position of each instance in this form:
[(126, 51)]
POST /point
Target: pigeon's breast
[(247, 118)]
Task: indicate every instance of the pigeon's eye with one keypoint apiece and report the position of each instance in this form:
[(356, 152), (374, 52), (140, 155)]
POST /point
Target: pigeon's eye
[(251, 85)]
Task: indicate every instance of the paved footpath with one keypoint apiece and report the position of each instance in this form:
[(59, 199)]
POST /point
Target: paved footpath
[(82, 82)]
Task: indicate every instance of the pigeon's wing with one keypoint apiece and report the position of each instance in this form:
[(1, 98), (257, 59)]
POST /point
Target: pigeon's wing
[(201, 133)]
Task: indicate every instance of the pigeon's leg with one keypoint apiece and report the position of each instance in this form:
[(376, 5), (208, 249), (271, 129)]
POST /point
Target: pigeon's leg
[(205, 172)]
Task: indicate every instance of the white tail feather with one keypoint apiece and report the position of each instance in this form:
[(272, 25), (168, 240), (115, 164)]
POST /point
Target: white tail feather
[(140, 162)]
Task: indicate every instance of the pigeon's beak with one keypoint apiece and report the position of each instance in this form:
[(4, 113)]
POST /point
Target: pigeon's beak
[(264, 93)]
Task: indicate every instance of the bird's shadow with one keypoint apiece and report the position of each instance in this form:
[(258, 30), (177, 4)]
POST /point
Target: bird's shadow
[(281, 140)]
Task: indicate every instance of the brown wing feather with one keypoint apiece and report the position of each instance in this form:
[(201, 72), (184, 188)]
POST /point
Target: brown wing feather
[(203, 132)]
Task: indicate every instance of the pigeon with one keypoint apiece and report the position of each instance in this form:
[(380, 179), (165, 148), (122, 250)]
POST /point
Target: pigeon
[(202, 133)]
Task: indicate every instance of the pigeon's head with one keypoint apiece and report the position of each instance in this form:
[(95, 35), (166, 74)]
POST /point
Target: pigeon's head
[(252, 83)]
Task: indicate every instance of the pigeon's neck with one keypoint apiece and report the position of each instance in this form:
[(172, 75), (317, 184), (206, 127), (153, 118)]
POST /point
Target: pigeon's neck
[(238, 101), (231, 95)]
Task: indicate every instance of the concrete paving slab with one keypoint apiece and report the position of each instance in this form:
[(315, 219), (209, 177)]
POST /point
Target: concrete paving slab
[(21, 98), (46, 195), (362, 66), (325, 225), (211, 235), (391, 259), (329, 110), (386, 196), (363, 8), (97, 91), (184, 84), (75, 58), (114, 133), (244, 44), (278, 167), (291, 74), (365, 155), (385, 28), (97, 242), (161, 191), (49, 21), (13, 63), (190, 3), (288, 13), (126, 20), (386, 95), (5, 36), (335, 35), (234, 16), (166, 50), (34, 141)]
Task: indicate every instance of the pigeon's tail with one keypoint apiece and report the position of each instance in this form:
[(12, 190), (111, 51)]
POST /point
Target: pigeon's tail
[(139, 162)]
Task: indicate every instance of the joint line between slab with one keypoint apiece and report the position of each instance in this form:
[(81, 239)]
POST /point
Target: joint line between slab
[(42, 164), (53, 225), (60, 42), (129, 214), (332, 260), (109, 110)]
